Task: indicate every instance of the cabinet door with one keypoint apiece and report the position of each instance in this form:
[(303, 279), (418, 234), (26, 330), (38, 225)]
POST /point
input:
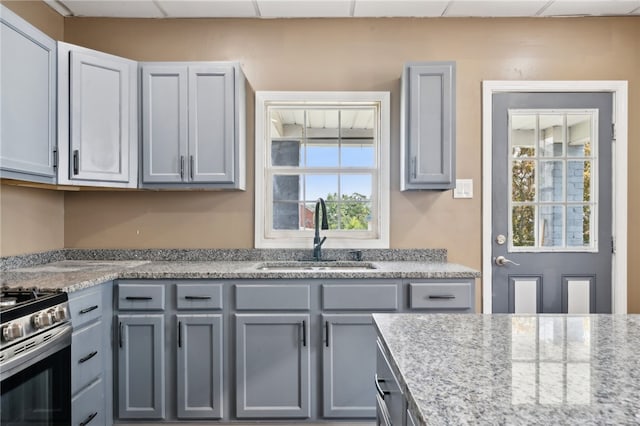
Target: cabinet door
[(99, 117), (211, 124), (349, 366), (428, 126), (164, 123), (199, 369), (28, 98), (141, 367), (272, 366)]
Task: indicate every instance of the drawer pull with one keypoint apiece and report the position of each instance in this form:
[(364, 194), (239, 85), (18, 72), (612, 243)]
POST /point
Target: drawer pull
[(443, 296), (179, 334), (197, 297), (381, 391), (139, 298), (88, 357), (91, 417), (326, 331), (89, 309), (304, 333), (120, 333)]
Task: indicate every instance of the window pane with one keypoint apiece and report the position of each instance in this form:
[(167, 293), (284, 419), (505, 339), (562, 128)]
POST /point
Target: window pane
[(579, 128), (286, 123), (355, 214), (523, 135), (551, 226), (322, 152), (551, 180), (286, 188), (356, 185), (579, 226), (357, 153), (523, 180), (317, 186), (285, 215), (307, 212), (579, 181), (322, 123), (285, 153), (551, 135), (523, 225)]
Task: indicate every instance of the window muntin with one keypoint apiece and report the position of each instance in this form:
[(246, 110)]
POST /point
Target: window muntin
[(553, 165), (335, 149)]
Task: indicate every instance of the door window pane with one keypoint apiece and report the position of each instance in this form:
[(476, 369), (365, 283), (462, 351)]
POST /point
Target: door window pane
[(551, 180), (579, 181), (523, 180), (579, 135), (523, 135), (551, 135), (579, 222), (523, 220), (551, 224)]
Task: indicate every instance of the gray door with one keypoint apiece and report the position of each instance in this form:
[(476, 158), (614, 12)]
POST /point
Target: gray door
[(199, 369), (272, 366), (551, 184), (349, 366), (141, 367)]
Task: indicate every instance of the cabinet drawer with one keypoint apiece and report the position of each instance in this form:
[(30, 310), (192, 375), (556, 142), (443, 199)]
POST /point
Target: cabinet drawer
[(85, 307), (86, 356), (373, 296), (199, 296), (273, 297), (140, 297), (87, 408), (450, 295)]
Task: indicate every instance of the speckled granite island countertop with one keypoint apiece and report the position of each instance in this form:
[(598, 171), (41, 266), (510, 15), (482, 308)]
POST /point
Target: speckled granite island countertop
[(73, 275), (516, 370)]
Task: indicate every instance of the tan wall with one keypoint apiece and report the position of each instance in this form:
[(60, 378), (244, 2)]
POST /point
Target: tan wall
[(32, 220), (354, 54)]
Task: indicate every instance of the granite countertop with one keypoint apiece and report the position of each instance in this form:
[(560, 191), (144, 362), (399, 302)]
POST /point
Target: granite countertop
[(516, 369), (74, 275)]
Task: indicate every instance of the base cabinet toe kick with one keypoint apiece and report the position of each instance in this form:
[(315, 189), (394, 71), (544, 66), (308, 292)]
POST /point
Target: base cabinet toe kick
[(216, 351)]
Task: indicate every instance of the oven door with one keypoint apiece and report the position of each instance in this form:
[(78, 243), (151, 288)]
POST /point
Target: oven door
[(36, 384)]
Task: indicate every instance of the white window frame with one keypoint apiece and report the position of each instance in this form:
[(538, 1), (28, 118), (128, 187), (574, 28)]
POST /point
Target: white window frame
[(303, 239)]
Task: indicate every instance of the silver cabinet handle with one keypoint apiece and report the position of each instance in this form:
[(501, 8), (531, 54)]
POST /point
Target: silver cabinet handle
[(501, 261), (381, 391)]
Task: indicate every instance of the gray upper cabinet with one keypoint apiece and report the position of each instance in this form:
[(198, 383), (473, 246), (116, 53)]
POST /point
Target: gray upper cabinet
[(428, 126), (273, 366), (97, 118), (193, 125), (348, 365), (28, 99)]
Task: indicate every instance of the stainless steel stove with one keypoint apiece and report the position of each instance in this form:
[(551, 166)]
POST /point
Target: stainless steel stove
[(35, 357)]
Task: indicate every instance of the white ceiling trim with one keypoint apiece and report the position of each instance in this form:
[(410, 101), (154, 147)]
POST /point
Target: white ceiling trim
[(342, 8)]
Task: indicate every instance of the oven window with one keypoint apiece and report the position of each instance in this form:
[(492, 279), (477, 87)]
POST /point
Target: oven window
[(39, 394)]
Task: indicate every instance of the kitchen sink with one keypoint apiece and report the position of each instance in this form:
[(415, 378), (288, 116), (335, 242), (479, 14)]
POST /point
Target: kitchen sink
[(312, 265)]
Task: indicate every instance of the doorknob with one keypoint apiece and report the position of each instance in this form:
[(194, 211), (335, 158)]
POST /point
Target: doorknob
[(501, 261)]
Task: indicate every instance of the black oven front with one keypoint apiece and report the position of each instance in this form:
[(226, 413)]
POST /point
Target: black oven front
[(35, 361)]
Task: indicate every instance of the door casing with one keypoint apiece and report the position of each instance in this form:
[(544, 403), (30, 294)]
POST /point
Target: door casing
[(619, 191)]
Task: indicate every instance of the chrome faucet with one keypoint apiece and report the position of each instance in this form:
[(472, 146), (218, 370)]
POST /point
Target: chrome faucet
[(317, 242)]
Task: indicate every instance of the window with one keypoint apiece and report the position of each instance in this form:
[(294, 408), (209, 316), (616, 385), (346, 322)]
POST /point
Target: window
[(330, 145)]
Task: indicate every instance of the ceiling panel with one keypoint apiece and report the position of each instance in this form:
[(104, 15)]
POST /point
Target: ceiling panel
[(210, 9), (114, 8), (304, 8), (399, 8), (495, 8), (569, 8)]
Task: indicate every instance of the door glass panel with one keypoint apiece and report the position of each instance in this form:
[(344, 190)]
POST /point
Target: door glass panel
[(551, 135), (552, 203), (551, 180)]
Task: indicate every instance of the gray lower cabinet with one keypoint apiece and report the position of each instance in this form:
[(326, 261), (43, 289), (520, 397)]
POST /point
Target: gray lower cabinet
[(193, 125), (199, 366), (273, 365), (28, 97), (391, 404), (428, 126), (348, 366), (141, 390), (91, 359)]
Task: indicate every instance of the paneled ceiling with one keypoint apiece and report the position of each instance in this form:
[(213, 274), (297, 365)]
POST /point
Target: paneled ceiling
[(342, 8)]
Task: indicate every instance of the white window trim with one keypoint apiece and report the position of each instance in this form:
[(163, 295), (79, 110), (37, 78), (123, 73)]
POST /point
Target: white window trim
[(620, 90), (263, 98)]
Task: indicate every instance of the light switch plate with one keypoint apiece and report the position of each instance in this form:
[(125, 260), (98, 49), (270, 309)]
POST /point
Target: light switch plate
[(463, 189)]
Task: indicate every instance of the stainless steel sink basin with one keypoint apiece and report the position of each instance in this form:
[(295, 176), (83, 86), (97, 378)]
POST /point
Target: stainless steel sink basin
[(301, 266)]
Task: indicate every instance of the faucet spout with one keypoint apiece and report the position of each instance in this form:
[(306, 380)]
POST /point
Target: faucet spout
[(319, 224)]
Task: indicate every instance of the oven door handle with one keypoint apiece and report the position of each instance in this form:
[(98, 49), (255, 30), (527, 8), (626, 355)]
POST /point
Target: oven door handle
[(60, 338)]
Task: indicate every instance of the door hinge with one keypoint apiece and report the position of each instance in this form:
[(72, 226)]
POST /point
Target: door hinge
[(55, 158), (613, 245), (613, 131)]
